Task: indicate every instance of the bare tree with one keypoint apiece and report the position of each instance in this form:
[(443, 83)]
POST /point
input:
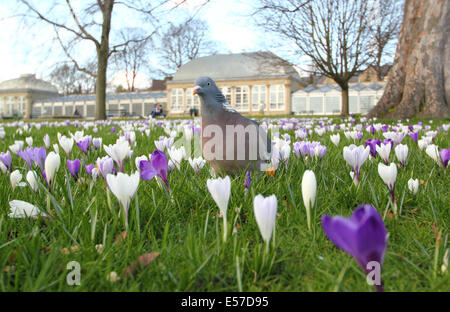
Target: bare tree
[(332, 33), (184, 42), (65, 78), (384, 27), (419, 81), (71, 81), (133, 57), (91, 21)]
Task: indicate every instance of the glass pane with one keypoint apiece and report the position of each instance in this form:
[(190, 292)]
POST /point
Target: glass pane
[(332, 105), (316, 104), (299, 104), (353, 104)]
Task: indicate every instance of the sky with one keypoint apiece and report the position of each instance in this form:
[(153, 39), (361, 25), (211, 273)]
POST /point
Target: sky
[(27, 46), (25, 49)]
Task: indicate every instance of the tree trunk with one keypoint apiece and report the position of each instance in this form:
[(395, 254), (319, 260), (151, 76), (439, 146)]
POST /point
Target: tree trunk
[(419, 81), (100, 90), (102, 61), (344, 100)]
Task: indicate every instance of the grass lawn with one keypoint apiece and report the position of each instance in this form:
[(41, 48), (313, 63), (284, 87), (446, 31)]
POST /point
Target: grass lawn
[(185, 229)]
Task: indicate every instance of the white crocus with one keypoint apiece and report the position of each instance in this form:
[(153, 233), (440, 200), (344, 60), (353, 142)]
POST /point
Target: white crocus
[(29, 141), (15, 148), (388, 174), (51, 165), (118, 152), (15, 178), (384, 150), (355, 156), (413, 185), (177, 155), (46, 140), (220, 190), (124, 187), (66, 144), (422, 144), (265, 210), (22, 209), (3, 168), (197, 163), (401, 152), (56, 148), (309, 189), (433, 151), (335, 138), (31, 178)]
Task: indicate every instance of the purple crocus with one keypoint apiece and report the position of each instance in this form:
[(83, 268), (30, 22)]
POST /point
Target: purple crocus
[(414, 136), (89, 169), (247, 181), (74, 167), (106, 166), (39, 155), (445, 156), (97, 142), (301, 148), (363, 235), (84, 144), (27, 155), (372, 143), (113, 129), (359, 135), (157, 166), (6, 159)]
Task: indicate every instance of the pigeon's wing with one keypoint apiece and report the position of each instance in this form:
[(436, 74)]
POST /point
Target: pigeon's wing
[(222, 100)]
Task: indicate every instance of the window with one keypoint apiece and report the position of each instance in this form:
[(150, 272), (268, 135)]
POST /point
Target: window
[(22, 104), (176, 100), (353, 104), (10, 105), (227, 93), (125, 108), (365, 103), (258, 97), (299, 104), (316, 104), (2, 105), (277, 97), (241, 98), (57, 110), (192, 100), (68, 110), (137, 108), (332, 105), (90, 110)]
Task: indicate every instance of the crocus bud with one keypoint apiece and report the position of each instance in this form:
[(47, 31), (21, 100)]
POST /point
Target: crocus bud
[(413, 185), (52, 163), (15, 178), (265, 210), (220, 190), (31, 178), (309, 188), (401, 152), (47, 141)]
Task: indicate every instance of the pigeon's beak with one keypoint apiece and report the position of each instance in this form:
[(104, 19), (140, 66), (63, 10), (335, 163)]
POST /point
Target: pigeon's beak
[(196, 90)]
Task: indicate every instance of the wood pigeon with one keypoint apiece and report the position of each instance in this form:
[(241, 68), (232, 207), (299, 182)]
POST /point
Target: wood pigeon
[(230, 142)]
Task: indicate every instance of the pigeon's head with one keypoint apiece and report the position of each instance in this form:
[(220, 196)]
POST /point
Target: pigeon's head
[(204, 85)]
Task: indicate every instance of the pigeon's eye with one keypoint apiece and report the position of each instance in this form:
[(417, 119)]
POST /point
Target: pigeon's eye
[(209, 83)]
